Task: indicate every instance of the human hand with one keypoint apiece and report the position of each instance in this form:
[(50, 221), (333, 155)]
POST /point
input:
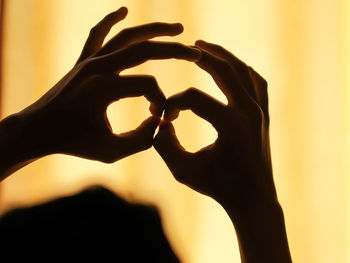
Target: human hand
[(236, 169), (71, 117)]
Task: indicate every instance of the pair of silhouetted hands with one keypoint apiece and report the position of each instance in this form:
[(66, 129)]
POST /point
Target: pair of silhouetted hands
[(71, 117), (235, 170)]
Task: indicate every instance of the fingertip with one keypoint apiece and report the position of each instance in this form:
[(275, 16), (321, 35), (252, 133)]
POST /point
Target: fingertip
[(171, 115), (203, 45), (157, 109), (123, 11), (116, 16), (153, 108), (163, 124), (178, 27)]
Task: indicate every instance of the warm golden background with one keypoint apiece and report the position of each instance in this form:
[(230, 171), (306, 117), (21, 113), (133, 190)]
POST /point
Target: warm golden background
[(301, 47)]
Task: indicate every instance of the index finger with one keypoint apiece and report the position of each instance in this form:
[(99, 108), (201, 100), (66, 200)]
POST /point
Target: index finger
[(227, 79), (238, 65), (140, 33), (100, 31), (141, 52)]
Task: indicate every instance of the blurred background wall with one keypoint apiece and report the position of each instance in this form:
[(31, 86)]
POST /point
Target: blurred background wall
[(302, 48)]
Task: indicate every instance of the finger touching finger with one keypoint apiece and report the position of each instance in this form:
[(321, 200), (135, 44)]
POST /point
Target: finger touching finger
[(199, 103), (141, 33), (141, 52), (137, 140), (142, 85)]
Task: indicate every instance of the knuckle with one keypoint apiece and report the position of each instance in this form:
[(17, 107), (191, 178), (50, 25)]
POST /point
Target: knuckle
[(152, 88), (261, 81), (220, 48), (150, 81), (192, 92), (109, 160), (179, 177)]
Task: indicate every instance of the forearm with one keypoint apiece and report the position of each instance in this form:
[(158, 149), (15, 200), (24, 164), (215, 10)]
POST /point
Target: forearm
[(18, 144), (261, 234)]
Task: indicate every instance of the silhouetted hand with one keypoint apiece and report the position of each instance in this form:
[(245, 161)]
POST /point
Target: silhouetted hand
[(236, 169), (237, 166), (71, 117)]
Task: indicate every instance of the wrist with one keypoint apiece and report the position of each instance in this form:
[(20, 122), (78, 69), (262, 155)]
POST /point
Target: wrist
[(257, 207), (262, 215), (19, 143), (261, 233)]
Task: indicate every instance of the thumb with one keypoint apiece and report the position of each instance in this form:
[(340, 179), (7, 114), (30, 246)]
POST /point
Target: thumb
[(170, 149), (139, 139)]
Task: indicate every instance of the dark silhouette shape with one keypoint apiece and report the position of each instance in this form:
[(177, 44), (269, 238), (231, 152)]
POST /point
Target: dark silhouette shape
[(94, 224), (236, 169), (70, 118)]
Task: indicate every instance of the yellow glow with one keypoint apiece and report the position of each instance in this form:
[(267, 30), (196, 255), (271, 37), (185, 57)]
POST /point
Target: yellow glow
[(131, 113), (186, 117), (302, 48)]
